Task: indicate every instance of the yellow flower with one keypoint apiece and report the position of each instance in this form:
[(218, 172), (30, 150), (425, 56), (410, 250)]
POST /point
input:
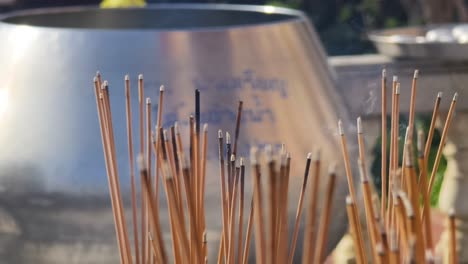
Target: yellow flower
[(122, 3)]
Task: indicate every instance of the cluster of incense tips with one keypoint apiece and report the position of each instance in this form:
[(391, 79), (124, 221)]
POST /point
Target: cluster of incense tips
[(399, 226), (183, 179)]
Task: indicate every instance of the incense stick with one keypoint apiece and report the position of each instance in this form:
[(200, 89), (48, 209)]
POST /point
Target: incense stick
[(425, 216), (241, 211), (430, 134), (448, 122), (299, 209), (322, 235), (353, 228), (383, 173), (309, 232), (224, 204), (238, 121), (453, 256), (258, 206), (128, 110), (349, 177)]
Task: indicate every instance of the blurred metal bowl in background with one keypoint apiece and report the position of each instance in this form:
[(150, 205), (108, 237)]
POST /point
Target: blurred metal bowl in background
[(436, 42), (54, 197)]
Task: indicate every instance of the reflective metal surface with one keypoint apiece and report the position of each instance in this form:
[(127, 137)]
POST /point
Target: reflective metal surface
[(54, 197), (412, 42)]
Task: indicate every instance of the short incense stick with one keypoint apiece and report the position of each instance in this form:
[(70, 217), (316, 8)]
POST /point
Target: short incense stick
[(453, 255)]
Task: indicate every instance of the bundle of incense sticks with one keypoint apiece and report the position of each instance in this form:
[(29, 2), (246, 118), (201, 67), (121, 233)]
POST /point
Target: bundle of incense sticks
[(399, 226), (183, 178)]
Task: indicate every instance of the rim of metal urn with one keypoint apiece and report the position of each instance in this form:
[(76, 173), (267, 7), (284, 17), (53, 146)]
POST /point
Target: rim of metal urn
[(290, 16)]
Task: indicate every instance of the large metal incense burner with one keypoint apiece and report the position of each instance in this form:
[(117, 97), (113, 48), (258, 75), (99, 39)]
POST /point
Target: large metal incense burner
[(54, 200)]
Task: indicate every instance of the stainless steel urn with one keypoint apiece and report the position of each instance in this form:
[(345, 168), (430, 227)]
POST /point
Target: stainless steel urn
[(54, 199)]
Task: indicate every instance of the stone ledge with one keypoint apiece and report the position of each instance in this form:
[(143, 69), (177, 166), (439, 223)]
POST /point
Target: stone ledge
[(358, 81)]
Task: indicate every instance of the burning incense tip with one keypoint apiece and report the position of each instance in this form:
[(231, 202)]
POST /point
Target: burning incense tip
[(253, 155), (161, 88), (455, 97), (184, 163), (205, 127), (140, 76), (141, 162), (416, 73), (340, 127), (451, 213), (429, 257), (439, 95), (127, 77), (395, 78), (332, 169), (98, 74), (228, 138), (241, 162), (309, 155), (284, 160), (380, 249), (233, 157), (359, 125), (95, 79), (105, 84), (148, 100), (397, 88), (269, 153), (349, 201), (220, 133), (384, 73), (176, 128), (317, 155)]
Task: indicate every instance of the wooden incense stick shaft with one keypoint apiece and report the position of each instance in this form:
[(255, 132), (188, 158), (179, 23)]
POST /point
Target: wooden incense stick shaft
[(325, 220), (131, 161), (453, 253), (248, 234), (353, 228), (241, 214), (260, 242), (309, 235), (299, 210), (443, 138)]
